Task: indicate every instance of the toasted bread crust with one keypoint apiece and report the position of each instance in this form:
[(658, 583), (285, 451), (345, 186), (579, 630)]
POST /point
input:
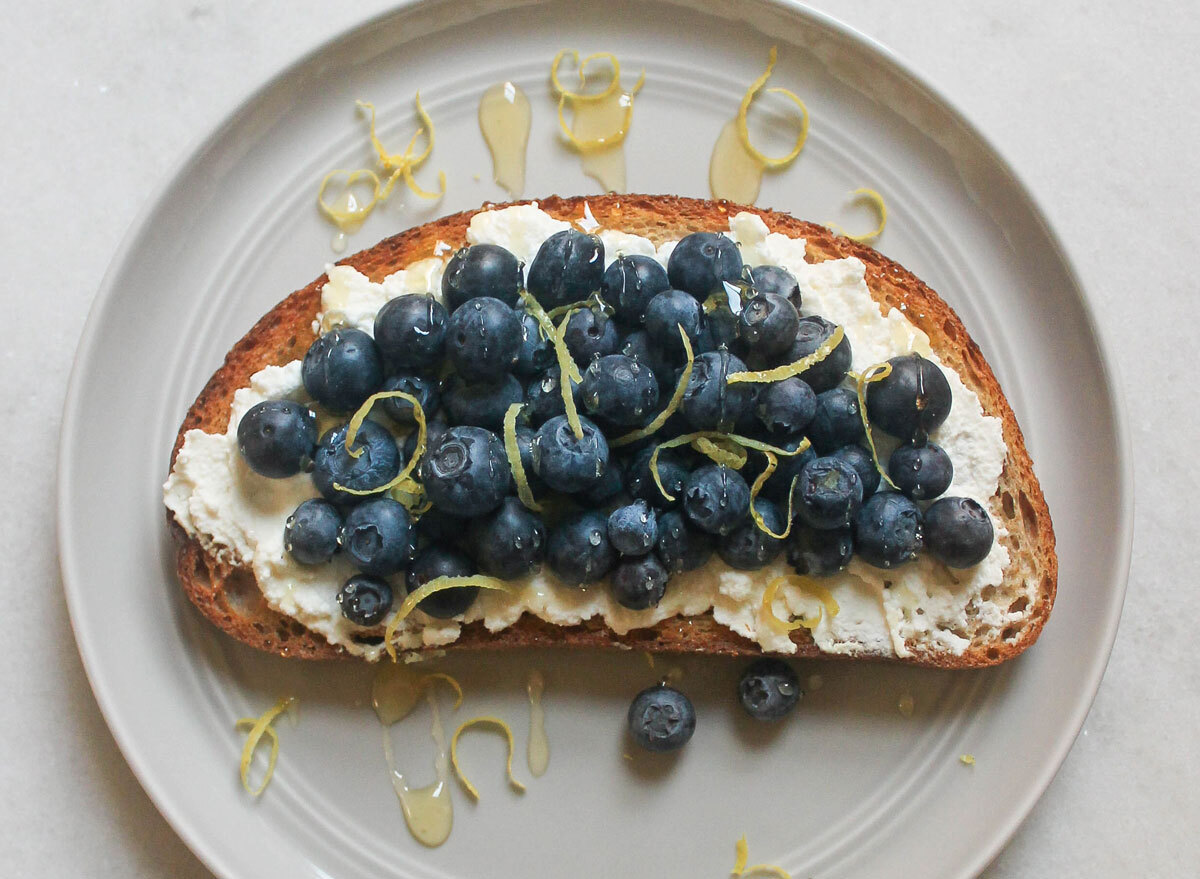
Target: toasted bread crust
[(230, 598)]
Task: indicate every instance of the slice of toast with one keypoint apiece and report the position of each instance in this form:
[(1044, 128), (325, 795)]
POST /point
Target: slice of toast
[(229, 596)]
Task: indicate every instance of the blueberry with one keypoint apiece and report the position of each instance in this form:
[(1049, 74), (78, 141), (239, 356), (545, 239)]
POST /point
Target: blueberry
[(434, 428), (483, 338), (958, 532), (483, 404), (837, 421), (721, 330), (633, 529), (864, 465), (481, 270), (423, 387), (828, 373), (543, 396), (578, 549), (590, 333), (816, 552), (568, 267), (630, 282), (378, 536), (716, 498), (310, 534), (710, 402), (921, 470), (748, 547), (786, 407), (276, 438), (828, 493), (787, 468), (365, 600), (466, 471), (661, 719), (436, 526), (914, 399), (773, 279), (525, 437), (341, 369), (375, 467), (666, 313), (638, 582), (769, 689), (888, 530), (681, 546), (647, 352), (671, 472), (536, 353), (411, 332), (565, 462), (619, 390), (702, 261), (608, 487), (437, 561), (509, 542), (769, 324)]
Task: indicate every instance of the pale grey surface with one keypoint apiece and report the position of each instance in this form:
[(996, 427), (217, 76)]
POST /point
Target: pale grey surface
[(1093, 107)]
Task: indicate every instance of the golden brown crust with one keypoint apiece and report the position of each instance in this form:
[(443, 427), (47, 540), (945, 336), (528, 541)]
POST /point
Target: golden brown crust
[(229, 597)]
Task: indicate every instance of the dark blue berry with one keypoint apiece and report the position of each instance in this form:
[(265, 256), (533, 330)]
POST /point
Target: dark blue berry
[(671, 472), (608, 487), (681, 546), (411, 332), (466, 472), (375, 467), (619, 390), (773, 279), (481, 270), (633, 529), (423, 387), (666, 313), (864, 465), (836, 422), (536, 354), (483, 404), (436, 526), (817, 552), (710, 401), (958, 532), (638, 582), (568, 267), (913, 400), (509, 542), (483, 338), (768, 324), (828, 373), (437, 561), (702, 261), (365, 600), (341, 369), (434, 428), (543, 396), (769, 689), (568, 463), (721, 330), (647, 352), (590, 333), (888, 530), (578, 550), (828, 493), (786, 407), (276, 438), (748, 547), (630, 282), (921, 470), (378, 536), (787, 468), (716, 498), (661, 719), (310, 534)]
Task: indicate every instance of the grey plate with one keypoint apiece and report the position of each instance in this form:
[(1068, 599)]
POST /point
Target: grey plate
[(848, 787)]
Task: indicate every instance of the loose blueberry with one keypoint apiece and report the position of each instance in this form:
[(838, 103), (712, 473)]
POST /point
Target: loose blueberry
[(769, 689), (633, 529), (466, 472), (437, 561), (434, 428), (568, 463), (816, 552), (828, 493), (661, 719), (716, 498), (310, 534), (481, 270), (436, 526), (671, 472), (638, 582), (483, 404), (836, 421), (682, 546), (341, 369), (525, 437), (590, 333), (864, 465), (411, 332), (619, 390), (607, 488), (536, 353), (748, 547), (781, 282), (483, 338), (721, 330), (378, 536), (569, 267), (423, 387), (276, 438), (630, 282), (914, 399), (922, 470), (509, 542), (787, 468), (786, 407), (769, 324), (578, 550), (666, 313), (375, 467), (828, 373), (543, 396), (888, 530), (639, 346), (702, 261), (958, 532), (710, 401), (365, 600)]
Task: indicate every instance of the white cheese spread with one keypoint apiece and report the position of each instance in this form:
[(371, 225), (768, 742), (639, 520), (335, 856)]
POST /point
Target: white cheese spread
[(240, 516)]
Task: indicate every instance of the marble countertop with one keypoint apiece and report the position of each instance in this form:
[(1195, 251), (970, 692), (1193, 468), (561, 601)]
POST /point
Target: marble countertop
[(1093, 103)]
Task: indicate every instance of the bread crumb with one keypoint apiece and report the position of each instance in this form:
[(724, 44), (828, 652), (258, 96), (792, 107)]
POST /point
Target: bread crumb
[(649, 657)]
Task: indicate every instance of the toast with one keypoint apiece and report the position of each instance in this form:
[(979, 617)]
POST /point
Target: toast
[(227, 594)]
